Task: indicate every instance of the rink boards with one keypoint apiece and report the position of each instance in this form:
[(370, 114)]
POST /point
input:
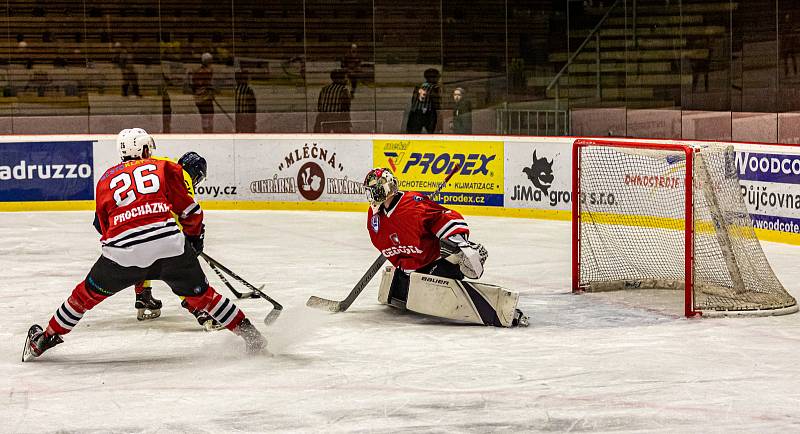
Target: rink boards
[(498, 176)]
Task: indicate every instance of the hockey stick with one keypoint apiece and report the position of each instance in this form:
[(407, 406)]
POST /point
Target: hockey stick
[(343, 305), (249, 294), (276, 307)]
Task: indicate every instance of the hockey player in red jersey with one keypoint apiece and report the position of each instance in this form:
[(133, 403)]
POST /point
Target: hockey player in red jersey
[(423, 239), (195, 171), (140, 240)]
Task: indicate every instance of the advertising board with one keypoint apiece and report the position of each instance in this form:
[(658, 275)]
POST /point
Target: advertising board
[(299, 170), (421, 165), (538, 174), (46, 171), (515, 176), (770, 183)]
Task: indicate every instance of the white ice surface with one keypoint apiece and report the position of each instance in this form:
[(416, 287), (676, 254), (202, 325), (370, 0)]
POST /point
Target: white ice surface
[(585, 364)]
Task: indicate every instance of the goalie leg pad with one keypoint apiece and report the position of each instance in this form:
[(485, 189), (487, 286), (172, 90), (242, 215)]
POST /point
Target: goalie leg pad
[(393, 287), (471, 302), (386, 284)]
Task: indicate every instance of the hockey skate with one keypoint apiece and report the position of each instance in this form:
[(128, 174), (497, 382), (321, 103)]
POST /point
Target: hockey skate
[(253, 339), (207, 321), (147, 307), (520, 319), (37, 342)]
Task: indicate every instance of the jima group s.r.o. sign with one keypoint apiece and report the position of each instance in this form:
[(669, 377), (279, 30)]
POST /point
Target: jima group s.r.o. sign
[(421, 165)]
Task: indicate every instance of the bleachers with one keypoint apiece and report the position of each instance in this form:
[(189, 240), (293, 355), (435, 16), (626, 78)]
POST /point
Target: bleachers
[(59, 61), (645, 59)]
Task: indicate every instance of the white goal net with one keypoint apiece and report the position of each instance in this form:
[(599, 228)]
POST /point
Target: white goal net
[(662, 216)]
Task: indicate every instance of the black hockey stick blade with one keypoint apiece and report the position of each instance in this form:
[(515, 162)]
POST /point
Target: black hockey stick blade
[(249, 294), (277, 308), (341, 306), (274, 313)]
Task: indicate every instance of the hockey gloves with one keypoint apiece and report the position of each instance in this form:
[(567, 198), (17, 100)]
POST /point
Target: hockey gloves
[(471, 258), (196, 241)]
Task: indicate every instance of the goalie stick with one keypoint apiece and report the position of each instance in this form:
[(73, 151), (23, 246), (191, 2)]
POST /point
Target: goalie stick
[(343, 305), (277, 308)]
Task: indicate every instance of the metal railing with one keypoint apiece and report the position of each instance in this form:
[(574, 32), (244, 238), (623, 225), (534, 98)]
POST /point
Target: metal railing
[(526, 122), (595, 33)]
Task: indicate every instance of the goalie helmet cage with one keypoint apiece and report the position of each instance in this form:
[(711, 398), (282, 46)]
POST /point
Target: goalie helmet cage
[(669, 216)]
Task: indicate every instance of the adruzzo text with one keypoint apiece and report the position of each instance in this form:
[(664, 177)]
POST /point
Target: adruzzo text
[(23, 170)]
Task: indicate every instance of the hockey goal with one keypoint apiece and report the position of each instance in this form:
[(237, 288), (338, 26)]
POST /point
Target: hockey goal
[(669, 216)]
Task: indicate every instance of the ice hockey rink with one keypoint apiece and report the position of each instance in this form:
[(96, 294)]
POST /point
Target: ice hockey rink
[(586, 363)]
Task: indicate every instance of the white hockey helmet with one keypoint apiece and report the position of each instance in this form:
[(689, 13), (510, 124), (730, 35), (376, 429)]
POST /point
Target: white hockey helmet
[(131, 143), (379, 185)]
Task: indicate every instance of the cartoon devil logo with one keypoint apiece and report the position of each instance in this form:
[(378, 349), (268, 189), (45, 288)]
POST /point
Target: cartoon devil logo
[(540, 173)]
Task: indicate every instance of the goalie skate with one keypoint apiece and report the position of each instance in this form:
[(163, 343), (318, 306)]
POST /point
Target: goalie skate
[(37, 343), (520, 319)]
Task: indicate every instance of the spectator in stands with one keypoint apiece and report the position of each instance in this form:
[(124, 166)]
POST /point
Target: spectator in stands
[(23, 53), (788, 41), (462, 113), (130, 78), (166, 104), (333, 105), (245, 99), (351, 63), (432, 76), (124, 61), (203, 91), (426, 100), (702, 65), (422, 114)]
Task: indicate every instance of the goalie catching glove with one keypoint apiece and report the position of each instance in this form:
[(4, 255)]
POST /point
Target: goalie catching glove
[(469, 256)]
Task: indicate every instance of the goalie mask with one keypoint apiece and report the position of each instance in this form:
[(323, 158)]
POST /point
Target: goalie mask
[(379, 185)]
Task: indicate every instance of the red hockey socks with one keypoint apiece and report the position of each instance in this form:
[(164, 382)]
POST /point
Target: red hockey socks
[(218, 306), (72, 310)]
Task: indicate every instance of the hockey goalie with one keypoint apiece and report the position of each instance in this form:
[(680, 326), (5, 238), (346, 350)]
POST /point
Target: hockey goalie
[(431, 254)]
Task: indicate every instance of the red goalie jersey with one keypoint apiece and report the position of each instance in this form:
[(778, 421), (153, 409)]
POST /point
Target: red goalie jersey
[(135, 204), (407, 232)]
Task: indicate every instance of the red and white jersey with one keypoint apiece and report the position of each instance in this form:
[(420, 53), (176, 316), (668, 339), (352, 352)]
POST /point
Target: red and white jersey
[(135, 202), (407, 232)]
